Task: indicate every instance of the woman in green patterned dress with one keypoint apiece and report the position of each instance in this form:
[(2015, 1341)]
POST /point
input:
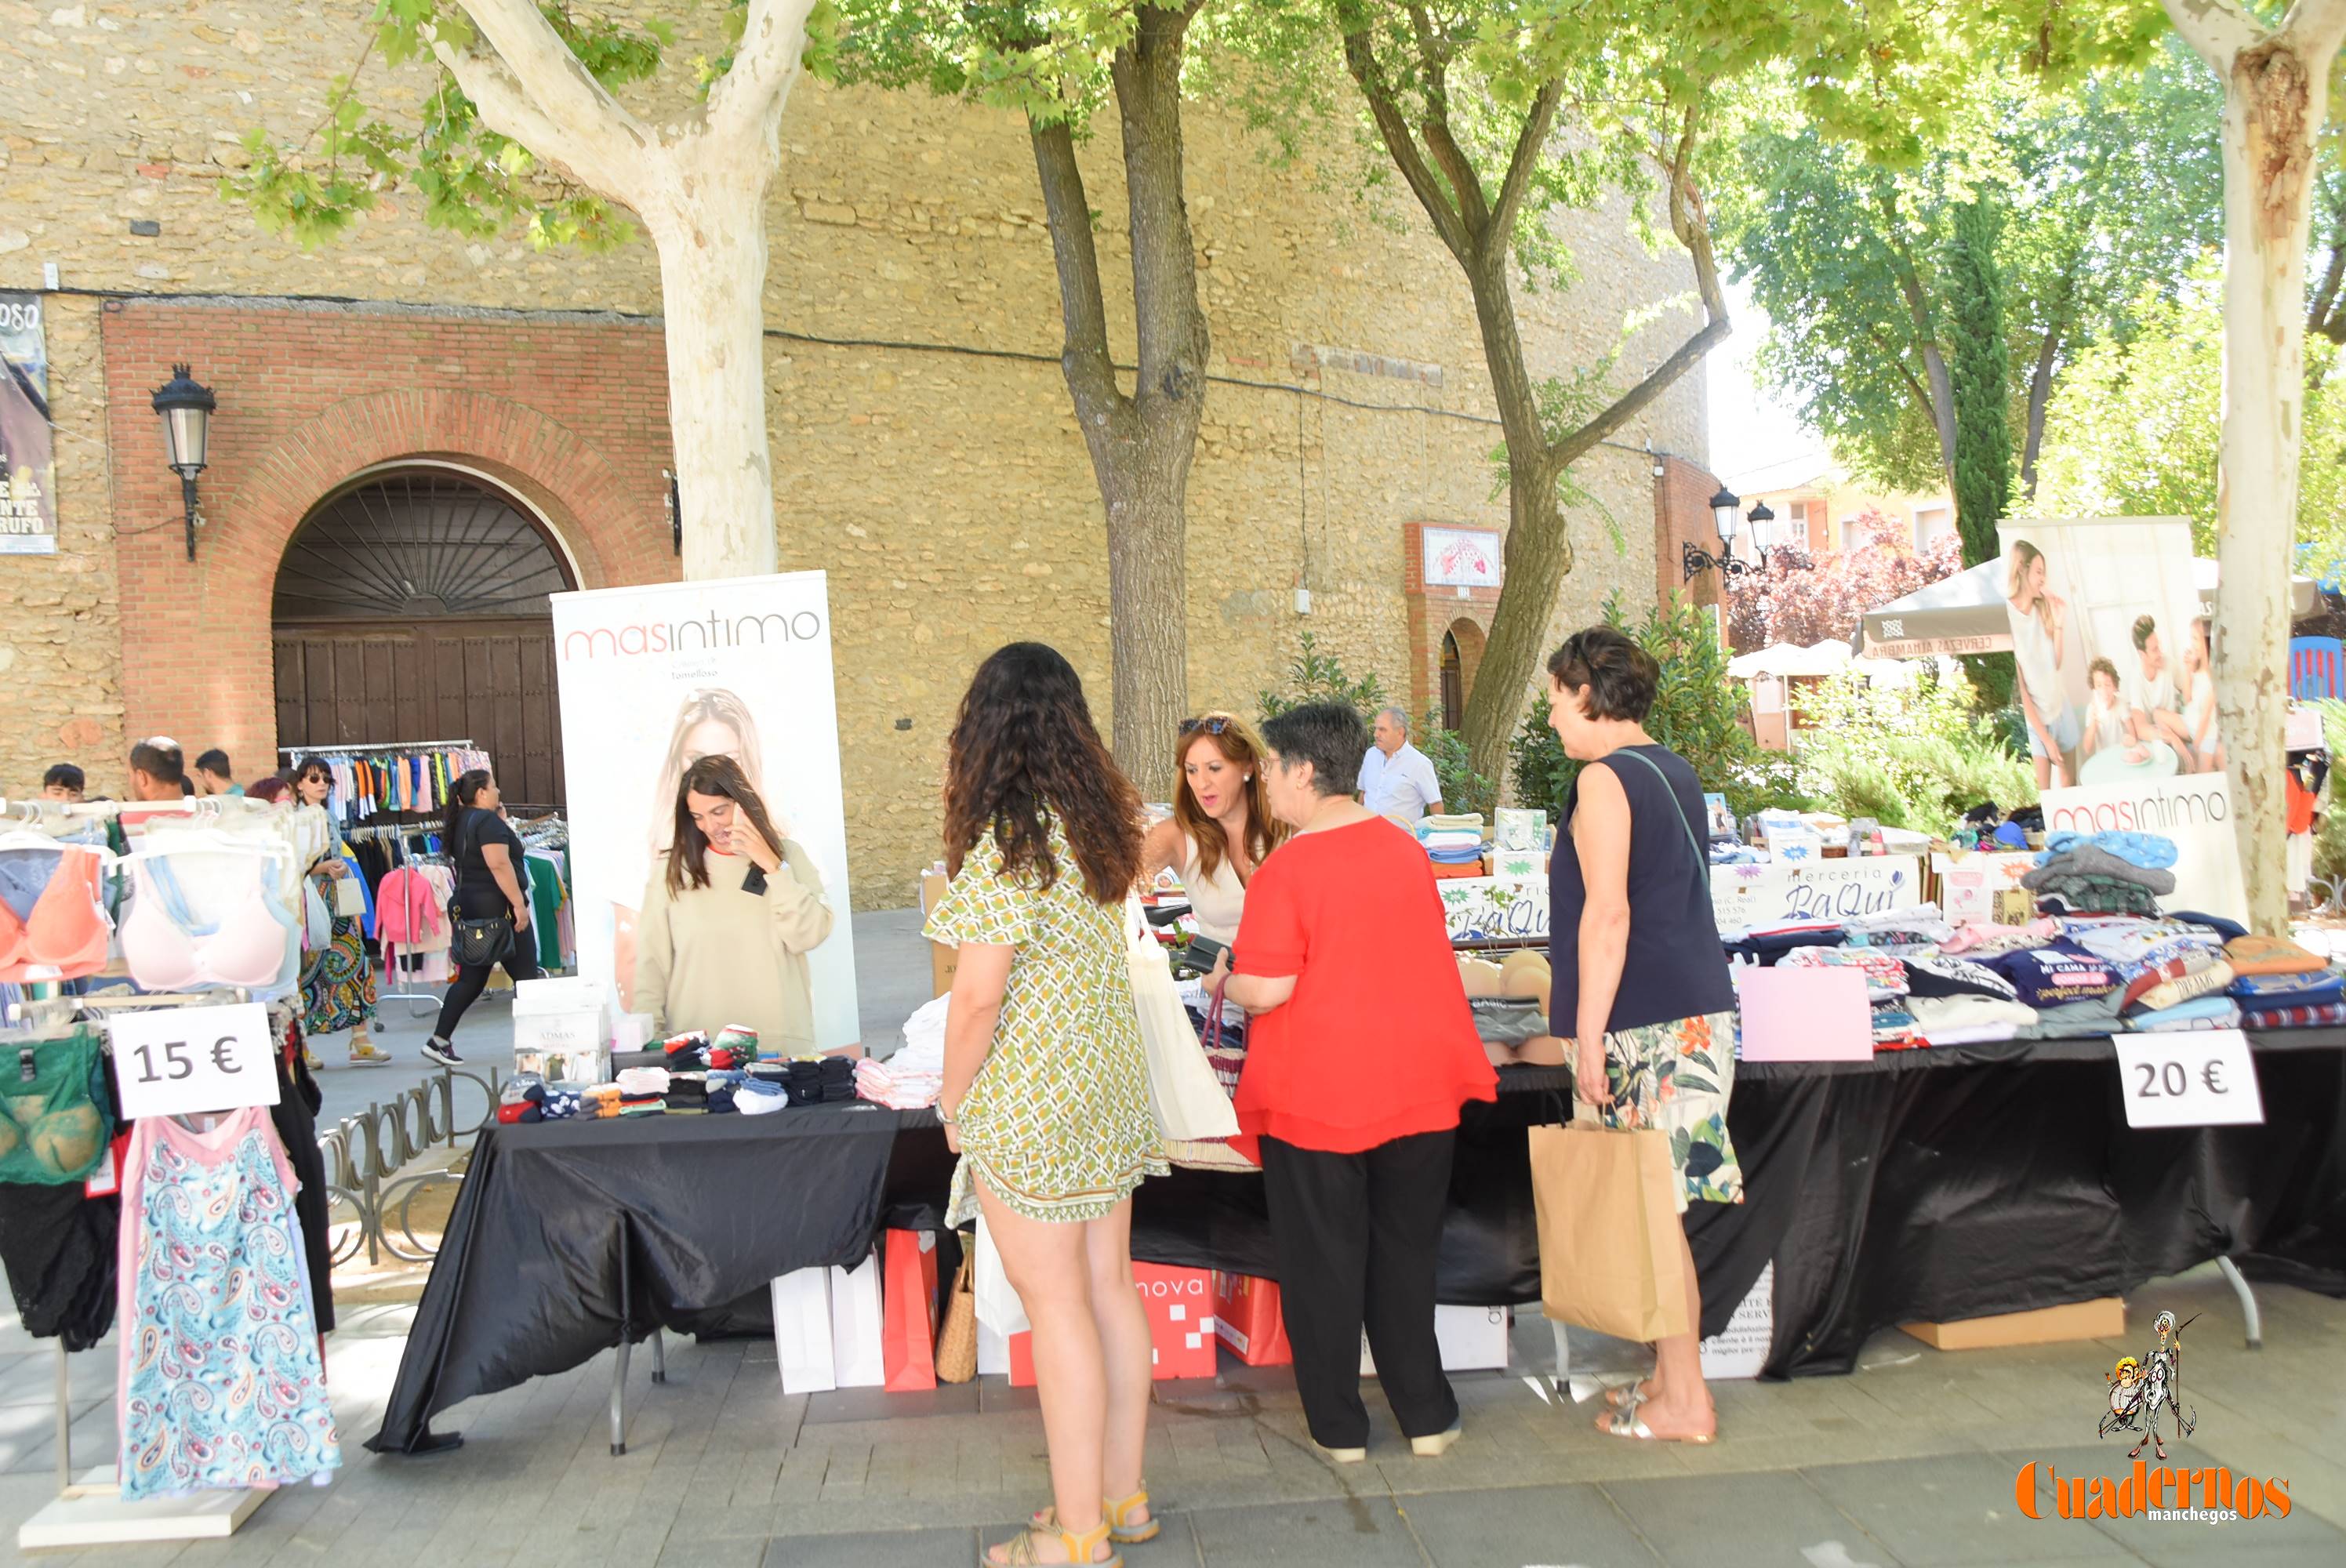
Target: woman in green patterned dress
[(1045, 1095), (337, 988)]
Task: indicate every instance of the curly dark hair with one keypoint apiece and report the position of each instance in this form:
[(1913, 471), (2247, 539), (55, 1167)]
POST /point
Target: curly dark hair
[(1025, 745)]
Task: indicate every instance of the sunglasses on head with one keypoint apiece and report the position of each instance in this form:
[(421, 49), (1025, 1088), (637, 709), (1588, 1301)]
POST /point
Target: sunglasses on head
[(1209, 725)]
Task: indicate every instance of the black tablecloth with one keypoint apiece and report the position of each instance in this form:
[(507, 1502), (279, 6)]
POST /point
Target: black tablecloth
[(1964, 1181), (1939, 1184)]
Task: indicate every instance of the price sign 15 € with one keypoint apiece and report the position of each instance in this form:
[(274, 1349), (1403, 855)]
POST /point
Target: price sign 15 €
[(2192, 1078), (180, 1060)]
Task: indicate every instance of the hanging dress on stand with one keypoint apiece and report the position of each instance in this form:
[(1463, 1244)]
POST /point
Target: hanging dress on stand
[(222, 1379)]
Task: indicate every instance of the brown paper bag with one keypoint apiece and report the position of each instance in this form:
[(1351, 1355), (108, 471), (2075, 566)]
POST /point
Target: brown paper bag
[(1608, 1231)]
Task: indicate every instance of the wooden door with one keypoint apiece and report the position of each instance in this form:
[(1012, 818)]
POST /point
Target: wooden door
[(374, 683)]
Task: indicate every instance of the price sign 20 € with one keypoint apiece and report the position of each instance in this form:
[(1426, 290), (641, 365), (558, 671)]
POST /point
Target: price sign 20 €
[(2198, 1078), (182, 1060)]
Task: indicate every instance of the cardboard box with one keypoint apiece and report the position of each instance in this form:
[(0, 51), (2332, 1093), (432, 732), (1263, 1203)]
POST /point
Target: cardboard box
[(1985, 887), (1246, 1318), (1473, 1339), (2103, 1318), (943, 960), (1741, 1350), (1180, 1306)]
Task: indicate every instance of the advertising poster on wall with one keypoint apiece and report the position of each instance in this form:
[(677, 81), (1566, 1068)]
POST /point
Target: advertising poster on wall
[(28, 503), (654, 678), (2116, 655)]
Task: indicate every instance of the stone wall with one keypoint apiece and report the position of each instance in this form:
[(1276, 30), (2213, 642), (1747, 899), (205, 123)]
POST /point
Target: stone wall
[(924, 444)]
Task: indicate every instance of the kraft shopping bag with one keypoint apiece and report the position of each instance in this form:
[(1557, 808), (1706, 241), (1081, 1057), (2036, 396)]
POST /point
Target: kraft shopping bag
[(1189, 1100), (957, 1340), (1608, 1230), (802, 1332), (908, 1303), (856, 1358)]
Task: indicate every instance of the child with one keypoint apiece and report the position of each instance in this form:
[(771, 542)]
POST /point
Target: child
[(2200, 706), (2105, 714)]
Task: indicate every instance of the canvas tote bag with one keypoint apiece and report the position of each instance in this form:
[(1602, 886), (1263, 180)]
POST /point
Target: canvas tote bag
[(1190, 1100), (1608, 1231)]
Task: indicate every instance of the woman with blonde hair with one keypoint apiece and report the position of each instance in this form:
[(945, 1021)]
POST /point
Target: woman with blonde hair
[(2040, 631), (1045, 1096), (1221, 825)]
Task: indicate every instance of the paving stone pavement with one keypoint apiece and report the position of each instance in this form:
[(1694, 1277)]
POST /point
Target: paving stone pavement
[(1911, 1461)]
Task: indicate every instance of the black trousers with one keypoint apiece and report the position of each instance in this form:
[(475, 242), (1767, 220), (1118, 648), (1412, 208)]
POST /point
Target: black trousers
[(1356, 1237), (520, 961)]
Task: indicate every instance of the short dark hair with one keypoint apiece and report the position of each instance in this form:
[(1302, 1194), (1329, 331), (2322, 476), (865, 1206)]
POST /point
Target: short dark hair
[(1328, 735), (214, 762), (2145, 629), (1606, 662), (64, 776), (160, 761)]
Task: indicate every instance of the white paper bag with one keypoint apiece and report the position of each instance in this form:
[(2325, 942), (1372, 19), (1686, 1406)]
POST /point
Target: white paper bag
[(998, 1307), (1190, 1102), (802, 1332), (856, 1358)]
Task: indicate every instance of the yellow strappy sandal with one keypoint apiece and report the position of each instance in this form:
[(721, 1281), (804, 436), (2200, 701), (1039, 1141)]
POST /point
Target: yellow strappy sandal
[(1117, 1513), (1018, 1551)]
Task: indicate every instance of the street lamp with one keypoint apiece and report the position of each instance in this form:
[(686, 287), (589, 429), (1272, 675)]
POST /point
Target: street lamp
[(1726, 515), (187, 413), (1763, 520)]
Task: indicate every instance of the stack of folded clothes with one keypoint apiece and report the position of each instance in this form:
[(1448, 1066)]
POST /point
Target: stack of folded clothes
[(523, 1099), (2103, 873), (2280, 985), (899, 1089), (1456, 840), (599, 1101), (756, 1096), (818, 1080), (688, 1094)]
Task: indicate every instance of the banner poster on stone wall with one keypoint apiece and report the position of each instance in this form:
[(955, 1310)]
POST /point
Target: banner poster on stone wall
[(29, 504), (2117, 682), (653, 679)]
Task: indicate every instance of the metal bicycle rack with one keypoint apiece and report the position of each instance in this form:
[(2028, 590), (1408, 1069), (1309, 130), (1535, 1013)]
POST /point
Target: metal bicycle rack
[(368, 1201)]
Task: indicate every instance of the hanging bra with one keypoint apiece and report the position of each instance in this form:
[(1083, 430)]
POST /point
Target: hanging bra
[(54, 1122), (168, 951), (61, 933)]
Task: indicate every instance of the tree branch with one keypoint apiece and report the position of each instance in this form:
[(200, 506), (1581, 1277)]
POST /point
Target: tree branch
[(1529, 144), (1895, 360), (1090, 373), (528, 86), (1465, 184), (1360, 59), (765, 64), (2218, 29), (2319, 27), (1692, 224)]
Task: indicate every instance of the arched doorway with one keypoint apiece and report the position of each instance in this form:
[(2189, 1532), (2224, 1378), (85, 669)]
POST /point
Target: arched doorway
[(411, 605), (1462, 657)]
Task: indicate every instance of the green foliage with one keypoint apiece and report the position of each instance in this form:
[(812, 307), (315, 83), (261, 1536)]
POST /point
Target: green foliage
[(1463, 788), (1980, 374), (1699, 712), (1916, 757), (2134, 426), (1315, 676), (471, 180)]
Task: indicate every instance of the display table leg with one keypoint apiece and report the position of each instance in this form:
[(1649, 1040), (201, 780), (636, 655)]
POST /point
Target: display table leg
[(659, 1358), (2239, 1284), (619, 1398)]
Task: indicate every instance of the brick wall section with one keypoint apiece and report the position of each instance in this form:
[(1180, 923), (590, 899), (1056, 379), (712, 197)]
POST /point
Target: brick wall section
[(949, 496), (1682, 516), (1433, 612), (572, 414)]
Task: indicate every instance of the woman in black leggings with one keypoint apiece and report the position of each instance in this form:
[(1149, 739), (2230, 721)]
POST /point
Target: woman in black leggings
[(488, 855)]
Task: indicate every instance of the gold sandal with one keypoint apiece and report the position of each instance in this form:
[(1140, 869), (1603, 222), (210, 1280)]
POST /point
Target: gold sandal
[(1116, 1512), (1019, 1550)]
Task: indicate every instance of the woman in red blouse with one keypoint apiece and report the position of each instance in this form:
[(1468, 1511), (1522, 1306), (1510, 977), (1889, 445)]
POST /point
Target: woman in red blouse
[(1361, 1052)]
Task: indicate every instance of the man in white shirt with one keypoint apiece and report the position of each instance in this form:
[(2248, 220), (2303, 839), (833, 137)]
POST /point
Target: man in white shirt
[(2147, 696), (1396, 779)]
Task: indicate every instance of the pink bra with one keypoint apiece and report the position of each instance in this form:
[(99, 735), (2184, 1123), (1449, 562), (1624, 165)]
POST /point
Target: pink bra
[(168, 951)]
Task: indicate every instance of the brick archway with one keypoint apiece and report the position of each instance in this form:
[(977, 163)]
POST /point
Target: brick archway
[(197, 658)]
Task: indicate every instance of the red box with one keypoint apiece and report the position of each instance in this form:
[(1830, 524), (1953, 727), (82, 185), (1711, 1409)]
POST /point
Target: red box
[(1246, 1318), (1180, 1306)]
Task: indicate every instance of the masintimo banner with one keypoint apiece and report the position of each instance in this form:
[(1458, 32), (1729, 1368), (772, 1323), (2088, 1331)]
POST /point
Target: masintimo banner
[(652, 678)]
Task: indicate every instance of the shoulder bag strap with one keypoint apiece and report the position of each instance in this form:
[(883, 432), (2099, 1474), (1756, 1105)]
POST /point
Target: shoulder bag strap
[(1701, 859)]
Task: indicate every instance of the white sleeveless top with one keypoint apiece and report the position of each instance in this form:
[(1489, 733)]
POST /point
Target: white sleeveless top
[(1217, 901)]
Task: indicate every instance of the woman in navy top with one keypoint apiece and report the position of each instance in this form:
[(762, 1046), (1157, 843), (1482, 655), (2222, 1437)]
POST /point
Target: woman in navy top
[(1638, 966)]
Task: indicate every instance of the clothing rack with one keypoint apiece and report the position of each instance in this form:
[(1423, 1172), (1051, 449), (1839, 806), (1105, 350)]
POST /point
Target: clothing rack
[(397, 834), (325, 750), (89, 1513)]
